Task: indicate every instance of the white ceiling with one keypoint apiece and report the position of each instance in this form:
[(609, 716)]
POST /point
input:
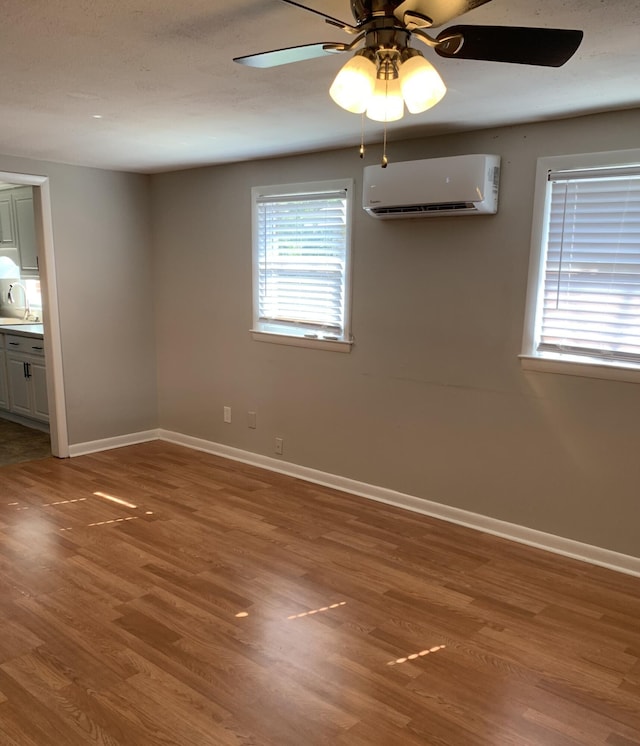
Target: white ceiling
[(160, 75)]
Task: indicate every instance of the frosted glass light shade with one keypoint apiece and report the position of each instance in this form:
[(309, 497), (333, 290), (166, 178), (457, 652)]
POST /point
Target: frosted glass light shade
[(353, 86), (387, 104), (421, 85)]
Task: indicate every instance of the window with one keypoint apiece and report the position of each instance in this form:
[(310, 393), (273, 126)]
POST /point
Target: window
[(34, 293), (301, 264), (583, 313)]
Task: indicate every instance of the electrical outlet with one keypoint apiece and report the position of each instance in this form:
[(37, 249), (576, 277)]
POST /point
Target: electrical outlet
[(251, 420), (227, 414), (279, 446)]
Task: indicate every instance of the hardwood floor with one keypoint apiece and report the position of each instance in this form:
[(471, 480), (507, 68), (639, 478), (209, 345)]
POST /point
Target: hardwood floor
[(216, 604)]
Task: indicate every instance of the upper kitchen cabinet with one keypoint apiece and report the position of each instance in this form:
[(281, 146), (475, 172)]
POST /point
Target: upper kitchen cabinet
[(25, 230), (7, 231), (17, 227)]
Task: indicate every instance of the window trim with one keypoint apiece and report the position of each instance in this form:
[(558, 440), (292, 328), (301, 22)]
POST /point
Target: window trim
[(269, 332), (530, 357)]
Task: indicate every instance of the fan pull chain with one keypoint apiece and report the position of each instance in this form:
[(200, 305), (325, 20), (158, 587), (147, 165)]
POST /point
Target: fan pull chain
[(385, 161), (384, 141), (362, 137)]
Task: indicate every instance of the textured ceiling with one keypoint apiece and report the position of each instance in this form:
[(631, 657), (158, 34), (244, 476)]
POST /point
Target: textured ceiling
[(160, 76)]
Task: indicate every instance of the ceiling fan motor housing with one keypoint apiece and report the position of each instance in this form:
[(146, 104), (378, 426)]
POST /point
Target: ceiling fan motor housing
[(365, 10)]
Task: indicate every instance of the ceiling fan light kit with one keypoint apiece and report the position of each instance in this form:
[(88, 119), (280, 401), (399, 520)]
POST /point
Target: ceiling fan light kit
[(381, 81)]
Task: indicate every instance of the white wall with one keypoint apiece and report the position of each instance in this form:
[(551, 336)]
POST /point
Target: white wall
[(432, 401)]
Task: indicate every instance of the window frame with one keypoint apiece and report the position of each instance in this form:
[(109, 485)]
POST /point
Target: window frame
[(264, 331), (553, 362)]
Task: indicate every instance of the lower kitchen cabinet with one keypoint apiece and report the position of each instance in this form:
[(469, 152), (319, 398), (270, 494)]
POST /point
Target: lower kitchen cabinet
[(26, 379), (4, 392)]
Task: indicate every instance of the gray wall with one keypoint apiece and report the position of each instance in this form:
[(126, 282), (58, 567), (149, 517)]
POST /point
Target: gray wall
[(432, 400), (102, 245)]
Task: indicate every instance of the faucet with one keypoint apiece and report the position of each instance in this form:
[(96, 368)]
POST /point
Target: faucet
[(27, 308)]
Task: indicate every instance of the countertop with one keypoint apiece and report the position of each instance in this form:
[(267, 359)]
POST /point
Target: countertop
[(23, 330)]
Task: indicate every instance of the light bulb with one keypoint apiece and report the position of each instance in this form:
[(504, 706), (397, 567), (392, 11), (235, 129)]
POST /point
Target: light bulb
[(353, 85), (387, 104), (421, 85)]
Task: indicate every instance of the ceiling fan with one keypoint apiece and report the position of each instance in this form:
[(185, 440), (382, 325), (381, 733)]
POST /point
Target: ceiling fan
[(385, 72)]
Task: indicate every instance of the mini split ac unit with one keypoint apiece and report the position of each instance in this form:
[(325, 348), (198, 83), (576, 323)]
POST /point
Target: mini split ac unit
[(460, 185)]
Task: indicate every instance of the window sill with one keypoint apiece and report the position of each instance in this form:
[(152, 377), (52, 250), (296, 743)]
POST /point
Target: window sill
[(293, 341), (604, 371)]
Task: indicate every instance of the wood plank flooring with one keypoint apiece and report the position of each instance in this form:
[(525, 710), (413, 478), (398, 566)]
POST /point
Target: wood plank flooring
[(153, 595)]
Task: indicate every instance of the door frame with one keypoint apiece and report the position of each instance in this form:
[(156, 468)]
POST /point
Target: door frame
[(52, 335)]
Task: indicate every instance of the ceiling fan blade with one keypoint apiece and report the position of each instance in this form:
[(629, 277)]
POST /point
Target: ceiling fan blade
[(526, 46), (287, 55), (438, 12), (329, 19)]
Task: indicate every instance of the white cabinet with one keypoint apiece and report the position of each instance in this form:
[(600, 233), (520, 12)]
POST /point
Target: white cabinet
[(19, 389), (25, 228), (4, 392), (7, 232), (18, 228), (26, 377)]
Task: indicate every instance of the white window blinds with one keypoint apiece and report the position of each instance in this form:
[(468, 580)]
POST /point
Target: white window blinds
[(302, 254), (590, 304)]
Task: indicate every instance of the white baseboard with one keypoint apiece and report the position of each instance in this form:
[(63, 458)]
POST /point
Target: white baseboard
[(93, 446), (549, 542)]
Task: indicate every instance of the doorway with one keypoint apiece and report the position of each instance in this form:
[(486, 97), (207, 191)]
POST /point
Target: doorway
[(51, 326)]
